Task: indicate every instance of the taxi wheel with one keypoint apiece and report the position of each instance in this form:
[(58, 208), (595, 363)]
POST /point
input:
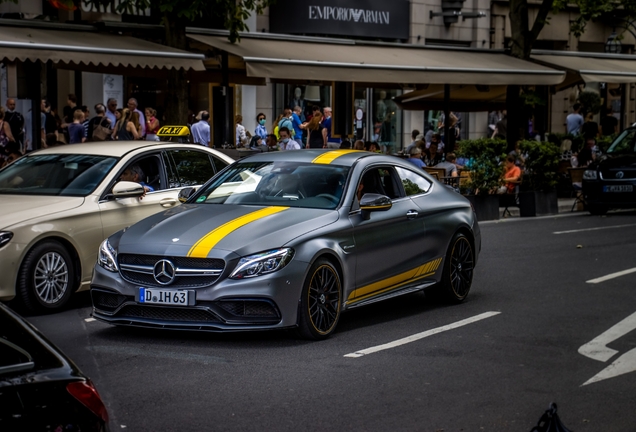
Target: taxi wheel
[(47, 277), (459, 265), (320, 302)]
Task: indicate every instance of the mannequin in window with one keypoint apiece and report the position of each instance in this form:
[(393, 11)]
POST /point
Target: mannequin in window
[(380, 107), (299, 101)]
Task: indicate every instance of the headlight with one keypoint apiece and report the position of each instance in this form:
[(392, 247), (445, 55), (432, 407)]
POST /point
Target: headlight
[(107, 257), (262, 263), (5, 237), (590, 175)]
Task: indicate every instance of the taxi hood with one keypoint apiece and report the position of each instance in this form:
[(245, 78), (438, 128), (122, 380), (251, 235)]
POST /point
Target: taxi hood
[(213, 230), (21, 208)]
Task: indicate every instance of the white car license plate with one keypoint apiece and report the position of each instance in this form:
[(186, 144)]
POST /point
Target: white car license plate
[(166, 297), (618, 188)]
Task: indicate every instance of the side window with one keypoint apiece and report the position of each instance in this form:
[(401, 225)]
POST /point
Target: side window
[(379, 180), (146, 171), (413, 183), (193, 167)]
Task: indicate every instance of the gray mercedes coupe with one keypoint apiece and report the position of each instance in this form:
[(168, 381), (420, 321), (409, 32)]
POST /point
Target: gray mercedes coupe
[(289, 240)]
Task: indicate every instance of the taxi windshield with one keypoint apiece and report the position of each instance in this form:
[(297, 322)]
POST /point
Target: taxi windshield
[(292, 184), (55, 174)]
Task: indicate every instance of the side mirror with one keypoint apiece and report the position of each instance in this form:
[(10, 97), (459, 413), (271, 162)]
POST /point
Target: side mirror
[(185, 193), (126, 189), (374, 202)]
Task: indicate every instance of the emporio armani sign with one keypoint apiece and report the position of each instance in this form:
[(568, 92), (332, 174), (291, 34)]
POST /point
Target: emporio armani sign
[(349, 14)]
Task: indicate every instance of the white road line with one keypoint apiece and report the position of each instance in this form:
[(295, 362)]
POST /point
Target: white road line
[(89, 319), (593, 229), (612, 276), (624, 364), (597, 349), (422, 335)]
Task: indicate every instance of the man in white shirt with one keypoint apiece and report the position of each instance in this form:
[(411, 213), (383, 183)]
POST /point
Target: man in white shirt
[(132, 106), (201, 129), (286, 143)]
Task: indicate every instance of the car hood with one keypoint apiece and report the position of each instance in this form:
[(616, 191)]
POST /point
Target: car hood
[(21, 208), (209, 230), (618, 161)]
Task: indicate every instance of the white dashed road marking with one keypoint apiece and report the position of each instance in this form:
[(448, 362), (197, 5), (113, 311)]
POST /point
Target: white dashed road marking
[(422, 335), (612, 276), (593, 229)]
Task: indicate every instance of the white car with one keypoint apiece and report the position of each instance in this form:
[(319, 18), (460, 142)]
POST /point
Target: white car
[(58, 204)]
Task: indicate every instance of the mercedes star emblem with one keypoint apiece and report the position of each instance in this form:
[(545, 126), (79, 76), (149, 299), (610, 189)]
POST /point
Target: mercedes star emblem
[(164, 272), (620, 174)]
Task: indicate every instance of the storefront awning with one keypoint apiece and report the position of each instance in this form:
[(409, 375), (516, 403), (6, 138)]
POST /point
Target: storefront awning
[(463, 98), (91, 48), (591, 67), (322, 60)]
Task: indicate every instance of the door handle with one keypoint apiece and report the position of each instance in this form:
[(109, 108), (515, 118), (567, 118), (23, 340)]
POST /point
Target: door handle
[(168, 202), (411, 214)]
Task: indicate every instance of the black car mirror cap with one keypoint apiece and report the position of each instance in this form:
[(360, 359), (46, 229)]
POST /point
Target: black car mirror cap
[(126, 189), (186, 193), (375, 202)]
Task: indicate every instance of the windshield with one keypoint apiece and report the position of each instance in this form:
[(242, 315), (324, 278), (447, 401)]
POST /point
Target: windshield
[(65, 175), (291, 184), (625, 143)]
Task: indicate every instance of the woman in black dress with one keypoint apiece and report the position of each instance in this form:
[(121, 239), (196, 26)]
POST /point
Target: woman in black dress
[(317, 133)]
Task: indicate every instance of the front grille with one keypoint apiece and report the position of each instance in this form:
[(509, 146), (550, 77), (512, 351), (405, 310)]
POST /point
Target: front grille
[(249, 308), (191, 272), (610, 174), (167, 314), (107, 301)]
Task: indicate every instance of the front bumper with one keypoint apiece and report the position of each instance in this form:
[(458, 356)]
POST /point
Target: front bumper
[(260, 303), (595, 193), (10, 259)]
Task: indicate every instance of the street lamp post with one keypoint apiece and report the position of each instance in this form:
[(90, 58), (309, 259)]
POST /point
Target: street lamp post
[(613, 44)]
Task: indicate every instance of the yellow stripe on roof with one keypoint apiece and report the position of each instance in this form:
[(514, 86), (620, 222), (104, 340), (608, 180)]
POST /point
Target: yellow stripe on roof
[(202, 248), (330, 156)]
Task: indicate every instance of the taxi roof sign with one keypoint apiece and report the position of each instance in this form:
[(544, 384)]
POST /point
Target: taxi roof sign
[(174, 131)]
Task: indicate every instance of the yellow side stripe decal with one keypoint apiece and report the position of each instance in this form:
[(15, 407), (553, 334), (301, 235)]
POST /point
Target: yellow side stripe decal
[(397, 281), (328, 157), (202, 248)]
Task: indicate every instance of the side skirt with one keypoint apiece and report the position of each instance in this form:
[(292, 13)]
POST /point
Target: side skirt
[(402, 291)]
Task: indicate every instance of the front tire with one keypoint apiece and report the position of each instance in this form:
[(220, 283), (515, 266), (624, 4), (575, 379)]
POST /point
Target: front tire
[(459, 266), (320, 301), (47, 277)]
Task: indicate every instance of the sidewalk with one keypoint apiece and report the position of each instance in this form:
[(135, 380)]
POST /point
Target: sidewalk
[(565, 206)]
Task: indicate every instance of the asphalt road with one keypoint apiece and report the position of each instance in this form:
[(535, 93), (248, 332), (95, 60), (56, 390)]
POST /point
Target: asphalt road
[(496, 373)]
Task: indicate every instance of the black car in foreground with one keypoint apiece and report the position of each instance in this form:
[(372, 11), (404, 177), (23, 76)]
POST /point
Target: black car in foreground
[(610, 182), (40, 388)]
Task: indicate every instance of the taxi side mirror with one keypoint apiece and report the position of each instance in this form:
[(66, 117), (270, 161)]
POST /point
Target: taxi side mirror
[(185, 193), (126, 189)]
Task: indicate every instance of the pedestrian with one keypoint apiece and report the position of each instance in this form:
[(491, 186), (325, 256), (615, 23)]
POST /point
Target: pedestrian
[(134, 118), (87, 119), (287, 122), (201, 129), (52, 141), (449, 165), (99, 127), (359, 145), (316, 133), (16, 122), (69, 109), (332, 143), (297, 124), (76, 131), (50, 124), (132, 106), (415, 137), (124, 129), (261, 129), (6, 135), (152, 124), (241, 135), (111, 112), (286, 141), (272, 142), (590, 128), (609, 123), (501, 128), (574, 121), (415, 157), (12, 152), (275, 126)]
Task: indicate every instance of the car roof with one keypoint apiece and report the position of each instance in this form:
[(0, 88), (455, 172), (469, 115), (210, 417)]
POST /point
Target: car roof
[(334, 157), (114, 148)]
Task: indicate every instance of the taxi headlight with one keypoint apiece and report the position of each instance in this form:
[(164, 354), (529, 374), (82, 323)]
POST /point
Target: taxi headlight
[(262, 263), (107, 257), (5, 237), (590, 175)]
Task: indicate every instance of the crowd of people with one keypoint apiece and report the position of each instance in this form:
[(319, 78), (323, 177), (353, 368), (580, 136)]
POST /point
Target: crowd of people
[(74, 125)]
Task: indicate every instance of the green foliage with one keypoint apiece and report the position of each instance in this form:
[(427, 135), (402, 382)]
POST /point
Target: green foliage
[(591, 101), (605, 142), (541, 163), (485, 157)]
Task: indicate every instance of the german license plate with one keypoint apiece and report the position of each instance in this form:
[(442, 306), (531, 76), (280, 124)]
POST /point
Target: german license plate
[(166, 297), (618, 188)]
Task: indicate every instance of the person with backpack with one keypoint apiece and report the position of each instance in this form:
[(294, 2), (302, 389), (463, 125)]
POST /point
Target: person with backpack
[(286, 122), (5, 131), (99, 127)]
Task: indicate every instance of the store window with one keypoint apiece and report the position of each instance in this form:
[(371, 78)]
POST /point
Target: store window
[(304, 96), (387, 128)]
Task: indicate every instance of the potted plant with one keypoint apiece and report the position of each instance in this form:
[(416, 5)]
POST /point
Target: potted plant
[(538, 196), (483, 161)]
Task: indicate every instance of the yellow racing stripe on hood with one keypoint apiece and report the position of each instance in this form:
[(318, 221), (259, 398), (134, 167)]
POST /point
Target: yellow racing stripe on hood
[(202, 248), (330, 156)]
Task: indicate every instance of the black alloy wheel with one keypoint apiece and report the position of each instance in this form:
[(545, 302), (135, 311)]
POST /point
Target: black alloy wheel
[(320, 302), (46, 279), (458, 269)]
